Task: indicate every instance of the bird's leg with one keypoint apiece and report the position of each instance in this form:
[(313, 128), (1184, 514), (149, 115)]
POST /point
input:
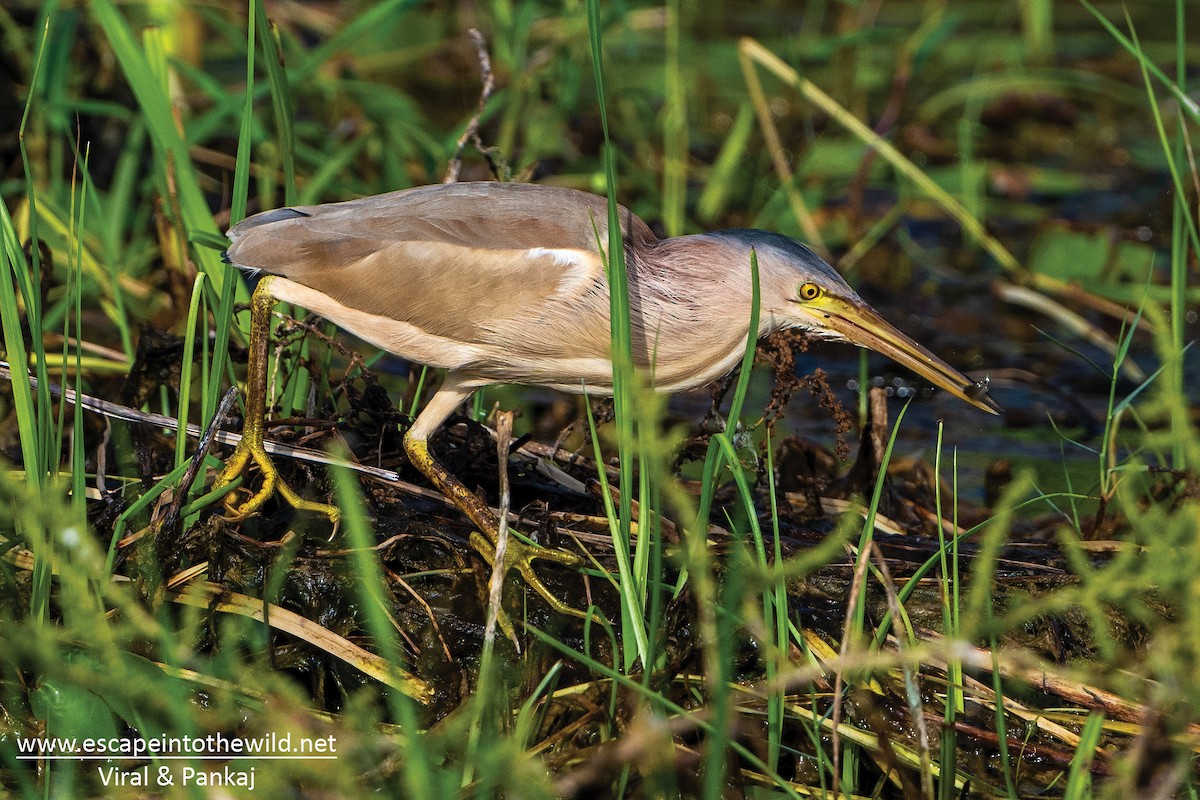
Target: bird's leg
[(251, 448), (518, 555)]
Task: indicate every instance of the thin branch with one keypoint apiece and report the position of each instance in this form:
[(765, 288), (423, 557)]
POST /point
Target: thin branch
[(471, 133)]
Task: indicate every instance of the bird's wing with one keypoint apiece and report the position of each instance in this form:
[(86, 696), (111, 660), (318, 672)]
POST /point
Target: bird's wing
[(454, 260), (481, 215)]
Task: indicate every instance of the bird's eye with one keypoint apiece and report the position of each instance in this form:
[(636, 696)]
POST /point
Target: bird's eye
[(809, 291)]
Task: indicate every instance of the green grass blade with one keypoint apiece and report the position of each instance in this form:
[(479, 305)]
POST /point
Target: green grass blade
[(185, 373), (281, 100), (715, 197), (1079, 777), (377, 17), (241, 169), (868, 531), (171, 149), (1186, 103), (28, 426), (747, 364), (75, 291), (624, 378)]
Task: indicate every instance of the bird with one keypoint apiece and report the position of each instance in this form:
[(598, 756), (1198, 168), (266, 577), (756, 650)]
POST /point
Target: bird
[(499, 283)]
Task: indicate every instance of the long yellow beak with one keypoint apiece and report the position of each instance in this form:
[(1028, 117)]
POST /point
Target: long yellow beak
[(863, 326)]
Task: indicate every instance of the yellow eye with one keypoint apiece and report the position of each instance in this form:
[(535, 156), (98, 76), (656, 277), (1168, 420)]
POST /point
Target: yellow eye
[(809, 291)]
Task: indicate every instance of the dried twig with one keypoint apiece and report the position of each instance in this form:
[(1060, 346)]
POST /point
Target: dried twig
[(471, 132), (504, 421), (171, 519)]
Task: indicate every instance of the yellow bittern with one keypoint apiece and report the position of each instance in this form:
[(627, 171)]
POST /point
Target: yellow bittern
[(505, 283)]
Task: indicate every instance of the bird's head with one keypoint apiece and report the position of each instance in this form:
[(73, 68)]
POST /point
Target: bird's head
[(799, 290)]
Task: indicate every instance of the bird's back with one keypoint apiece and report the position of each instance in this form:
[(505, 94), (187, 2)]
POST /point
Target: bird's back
[(483, 215), (452, 259)]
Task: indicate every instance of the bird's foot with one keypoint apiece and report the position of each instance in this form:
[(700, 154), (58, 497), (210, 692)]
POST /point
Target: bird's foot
[(517, 554), (250, 449), (520, 556)]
